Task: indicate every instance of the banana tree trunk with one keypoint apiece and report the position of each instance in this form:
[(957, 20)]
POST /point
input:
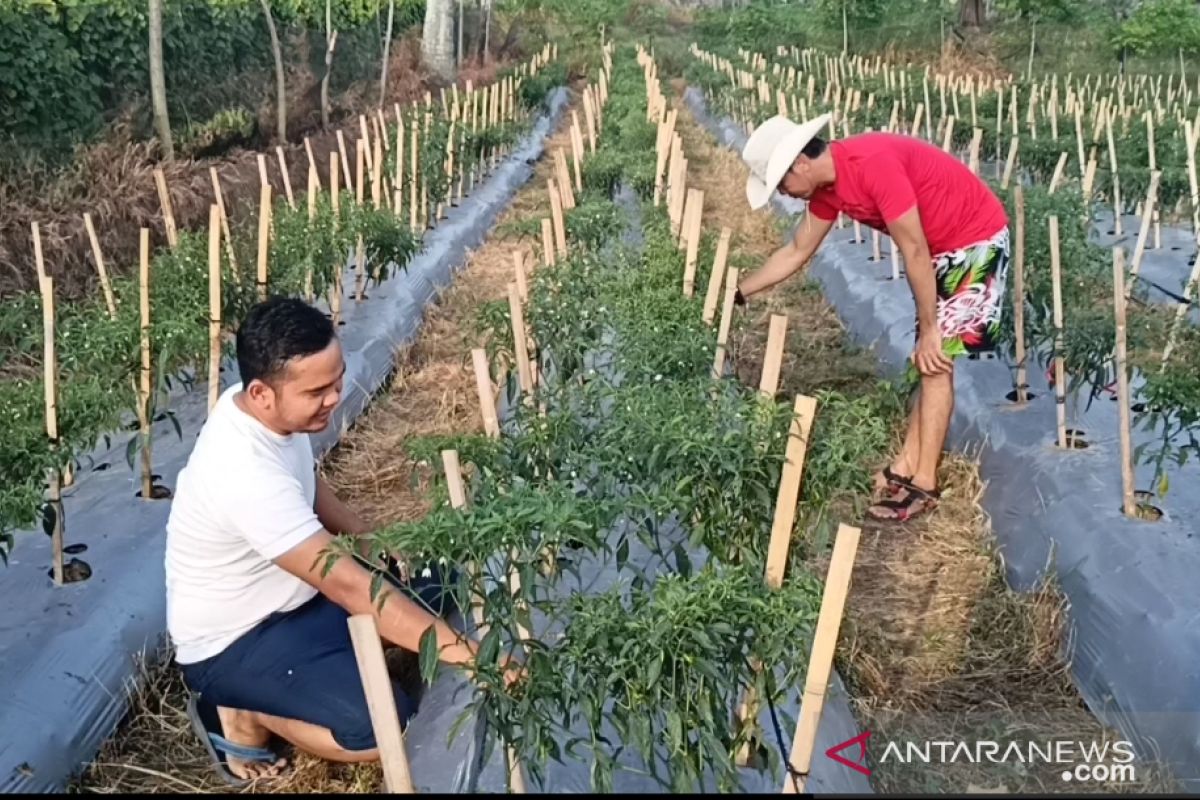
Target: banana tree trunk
[(280, 87), (437, 40), (158, 82)]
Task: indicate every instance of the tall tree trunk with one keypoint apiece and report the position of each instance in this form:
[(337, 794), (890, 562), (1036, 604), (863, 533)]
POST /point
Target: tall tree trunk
[(971, 13), (458, 52), (158, 82), (330, 41), (280, 87), (487, 27), (437, 40), (387, 48)]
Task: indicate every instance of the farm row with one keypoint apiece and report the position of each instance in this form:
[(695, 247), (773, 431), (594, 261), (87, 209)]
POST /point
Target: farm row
[(85, 371), (628, 515), (1078, 310)]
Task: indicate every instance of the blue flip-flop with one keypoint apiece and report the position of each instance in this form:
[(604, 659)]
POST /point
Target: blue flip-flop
[(204, 721)]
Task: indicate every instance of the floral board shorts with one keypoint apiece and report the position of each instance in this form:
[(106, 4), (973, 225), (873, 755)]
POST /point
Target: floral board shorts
[(970, 289)]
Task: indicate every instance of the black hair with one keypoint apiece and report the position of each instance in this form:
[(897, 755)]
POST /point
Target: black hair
[(815, 147), (275, 332)]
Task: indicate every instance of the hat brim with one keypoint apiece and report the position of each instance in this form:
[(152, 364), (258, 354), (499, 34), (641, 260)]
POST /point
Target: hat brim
[(784, 154)]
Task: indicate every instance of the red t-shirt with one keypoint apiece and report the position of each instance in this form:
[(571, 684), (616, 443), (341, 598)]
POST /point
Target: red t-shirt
[(881, 176)]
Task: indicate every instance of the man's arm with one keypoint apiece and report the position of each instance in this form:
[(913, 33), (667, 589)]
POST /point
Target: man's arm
[(909, 236), (400, 620), (789, 259)]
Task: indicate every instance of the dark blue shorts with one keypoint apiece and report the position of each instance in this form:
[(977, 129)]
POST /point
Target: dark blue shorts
[(297, 665)]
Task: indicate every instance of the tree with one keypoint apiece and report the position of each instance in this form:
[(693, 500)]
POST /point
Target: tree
[(387, 46), (487, 27), (280, 88), (330, 43), (437, 40), (971, 13), (158, 82)]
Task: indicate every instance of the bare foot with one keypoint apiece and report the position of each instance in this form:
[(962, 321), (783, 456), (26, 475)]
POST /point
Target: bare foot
[(242, 727)]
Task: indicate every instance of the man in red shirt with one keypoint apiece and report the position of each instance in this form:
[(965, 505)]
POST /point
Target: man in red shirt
[(953, 234)]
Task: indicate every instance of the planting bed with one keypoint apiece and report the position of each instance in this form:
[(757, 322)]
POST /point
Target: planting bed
[(621, 519), (1059, 512), (70, 651), (606, 504)]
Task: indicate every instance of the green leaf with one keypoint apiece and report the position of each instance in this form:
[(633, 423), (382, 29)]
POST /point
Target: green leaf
[(429, 654)]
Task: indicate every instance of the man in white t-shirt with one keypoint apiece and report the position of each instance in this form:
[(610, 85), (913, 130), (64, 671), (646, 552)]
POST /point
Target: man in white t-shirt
[(259, 632)]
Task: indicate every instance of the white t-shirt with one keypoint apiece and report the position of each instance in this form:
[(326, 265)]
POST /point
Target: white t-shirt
[(246, 496)]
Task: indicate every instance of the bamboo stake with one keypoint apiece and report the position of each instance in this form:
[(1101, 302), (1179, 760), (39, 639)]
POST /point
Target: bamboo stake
[(487, 397), (1116, 179), (726, 320), (381, 703), (50, 390), (1148, 209), (1128, 502), (1008, 165), (263, 179), (696, 202), (948, 138), (563, 177), (264, 238), (214, 306), (577, 150), (345, 159), (520, 345), (335, 291), (816, 682), (547, 243), (1060, 396), (109, 301), (164, 199), (1019, 294), (556, 213), (519, 272), (312, 161), (144, 389), (782, 524), (974, 157), (895, 259), (712, 295), (414, 180), (377, 197), (773, 358), (360, 252), (287, 178), (458, 499), (1059, 170), (219, 195)]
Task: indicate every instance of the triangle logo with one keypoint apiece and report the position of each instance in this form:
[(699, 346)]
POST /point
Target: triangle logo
[(860, 759)]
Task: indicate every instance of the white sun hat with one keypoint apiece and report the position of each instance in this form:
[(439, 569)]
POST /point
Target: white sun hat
[(770, 152)]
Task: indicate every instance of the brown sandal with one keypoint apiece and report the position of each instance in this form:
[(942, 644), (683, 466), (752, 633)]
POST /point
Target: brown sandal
[(893, 483), (903, 509)]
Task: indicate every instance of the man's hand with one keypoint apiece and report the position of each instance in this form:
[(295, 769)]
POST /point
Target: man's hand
[(514, 671), (928, 356), (789, 259)]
